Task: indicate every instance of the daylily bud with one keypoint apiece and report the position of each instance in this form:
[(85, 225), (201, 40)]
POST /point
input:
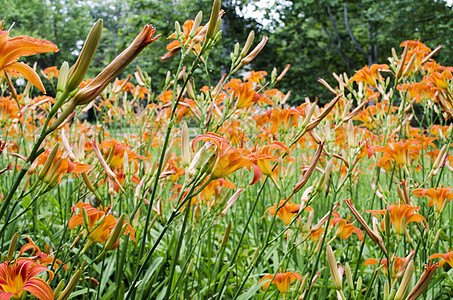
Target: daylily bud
[(226, 235), (254, 52), (95, 87), (386, 290), (334, 269), (436, 238), (423, 282), (255, 254), (196, 23), (274, 74), (387, 222), (177, 29), (213, 19), (283, 73), (351, 135), (49, 161), (12, 247), (80, 68), (410, 64), (248, 44), (63, 77), (71, 285), (439, 158), (185, 145), (114, 236), (168, 78), (197, 161), (347, 271), (86, 223), (235, 53), (405, 281), (59, 287)]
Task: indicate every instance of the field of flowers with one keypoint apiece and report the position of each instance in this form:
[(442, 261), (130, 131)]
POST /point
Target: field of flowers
[(118, 189)]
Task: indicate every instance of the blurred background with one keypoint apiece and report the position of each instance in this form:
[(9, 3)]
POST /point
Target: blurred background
[(317, 37)]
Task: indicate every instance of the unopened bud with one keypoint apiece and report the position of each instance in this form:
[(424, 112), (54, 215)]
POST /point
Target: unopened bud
[(334, 268), (177, 30), (196, 24), (49, 161), (213, 20), (12, 247), (226, 235), (63, 77), (114, 236), (197, 161), (409, 65), (274, 74), (386, 290), (59, 288), (185, 146), (80, 68), (347, 271), (71, 285), (351, 135), (283, 73), (387, 222), (405, 281), (86, 222), (255, 51), (248, 44)]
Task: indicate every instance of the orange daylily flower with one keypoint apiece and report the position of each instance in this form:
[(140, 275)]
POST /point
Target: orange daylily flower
[(437, 197), (440, 80), (399, 264), (400, 152), (175, 46), (446, 258), (227, 159), (215, 187), (281, 280), (286, 213), (50, 72), (245, 94), (118, 153), (19, 277), (8, 109), (13, 48), (344, 229), (39, 256), (60, 166), (369, 75), (256, 76), (102, 231), (398, 213), (263, 156)]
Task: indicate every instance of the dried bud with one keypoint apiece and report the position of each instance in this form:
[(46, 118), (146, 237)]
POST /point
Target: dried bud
[(423, 282), (95, 87)]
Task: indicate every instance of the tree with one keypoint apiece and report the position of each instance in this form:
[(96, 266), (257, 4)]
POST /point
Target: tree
[(321, 37)]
